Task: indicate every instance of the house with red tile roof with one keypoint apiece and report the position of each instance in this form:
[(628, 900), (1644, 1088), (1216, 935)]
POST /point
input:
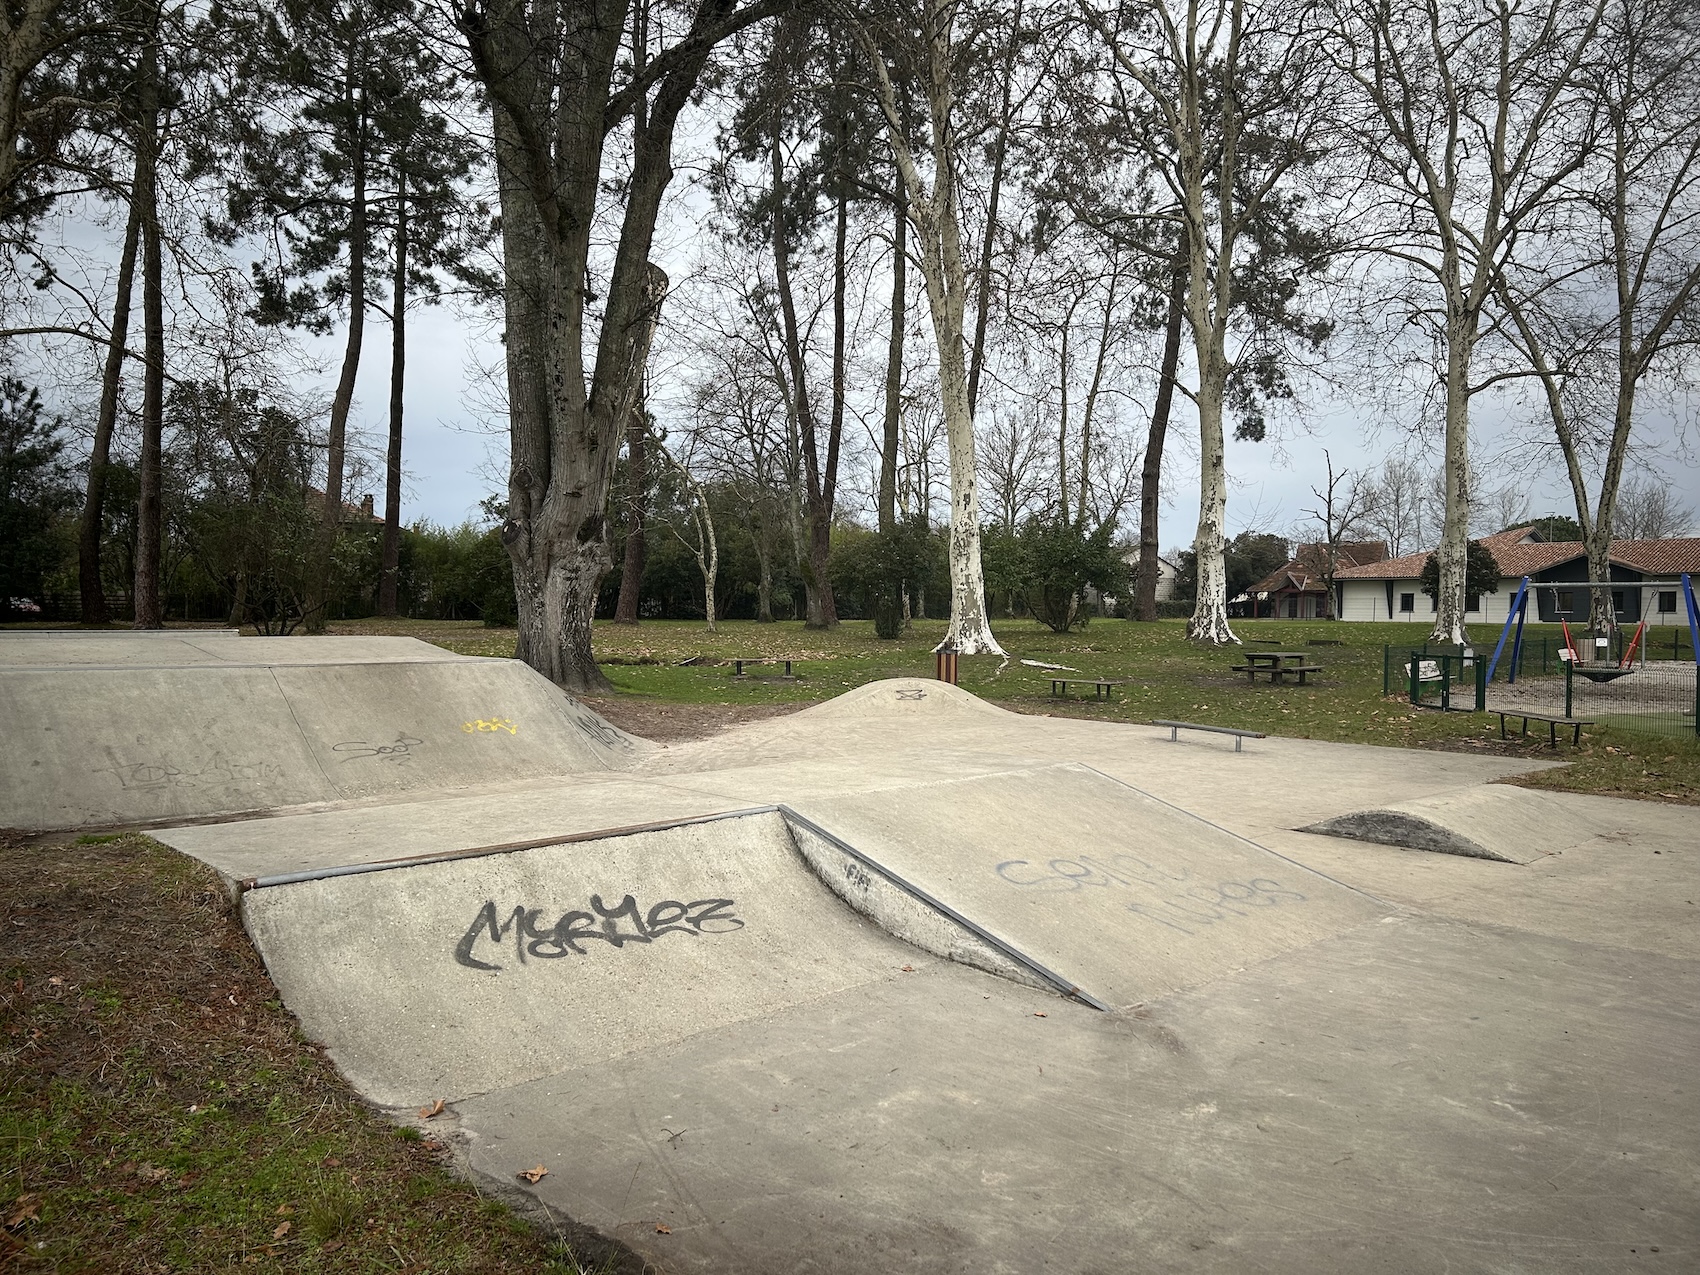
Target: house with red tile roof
[(1298, 590), (1643, 573)]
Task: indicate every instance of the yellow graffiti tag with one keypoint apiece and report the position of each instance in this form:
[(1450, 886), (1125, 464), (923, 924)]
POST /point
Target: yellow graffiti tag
[(482, 726)]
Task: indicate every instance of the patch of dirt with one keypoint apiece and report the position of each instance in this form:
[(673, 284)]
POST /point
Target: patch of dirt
[(673, 723)]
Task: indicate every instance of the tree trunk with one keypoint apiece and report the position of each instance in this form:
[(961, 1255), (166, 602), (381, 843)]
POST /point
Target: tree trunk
[(1209, 621), (818, 529), (631, 570), (150, 505), (938, 228), (1151, 475), (894, 363), (398, 369), (764, 568), (823, 491), (1454, 547), (324, 542), (89, 583)]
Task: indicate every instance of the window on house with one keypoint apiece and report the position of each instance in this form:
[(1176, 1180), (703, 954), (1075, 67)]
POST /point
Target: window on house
[(1292, 606), (1617, 601), (1566, 600), (1472, 602), (1667, 601), (1407, 602)]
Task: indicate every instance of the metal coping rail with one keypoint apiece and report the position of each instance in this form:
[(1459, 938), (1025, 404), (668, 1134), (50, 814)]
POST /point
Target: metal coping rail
[(1068, 987), (1065, 986)]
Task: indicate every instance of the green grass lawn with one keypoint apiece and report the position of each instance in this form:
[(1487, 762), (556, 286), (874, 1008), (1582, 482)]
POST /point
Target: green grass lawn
[(1172, 679)]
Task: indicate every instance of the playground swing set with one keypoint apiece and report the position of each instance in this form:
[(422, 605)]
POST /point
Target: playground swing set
[(1664, 698), (1595, 669)]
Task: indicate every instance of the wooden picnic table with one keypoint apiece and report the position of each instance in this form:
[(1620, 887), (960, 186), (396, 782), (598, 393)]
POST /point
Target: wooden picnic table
[(1275, 665), (738, 664)]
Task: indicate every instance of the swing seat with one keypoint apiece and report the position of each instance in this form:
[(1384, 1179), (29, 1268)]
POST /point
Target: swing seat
[(1603, 674)]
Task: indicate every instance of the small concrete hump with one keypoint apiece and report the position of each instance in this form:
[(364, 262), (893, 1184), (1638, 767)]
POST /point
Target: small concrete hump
[(1489, 821)]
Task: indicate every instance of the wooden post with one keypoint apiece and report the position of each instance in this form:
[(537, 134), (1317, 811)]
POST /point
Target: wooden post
[(945, 666)]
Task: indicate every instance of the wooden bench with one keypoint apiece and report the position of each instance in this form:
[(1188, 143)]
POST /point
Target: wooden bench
[(1101, 686), (1240, 736), (1276, 672), (1553, 723), (786, 660)]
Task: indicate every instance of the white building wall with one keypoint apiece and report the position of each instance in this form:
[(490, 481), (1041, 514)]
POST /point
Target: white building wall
[(1364, 600)]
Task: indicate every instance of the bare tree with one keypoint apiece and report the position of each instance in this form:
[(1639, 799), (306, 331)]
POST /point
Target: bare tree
[(1646, 510), (1343, 505), (935, 214), (1468, 143), (1240, 90), (1632, 242), (702, 543), (1397, 511)]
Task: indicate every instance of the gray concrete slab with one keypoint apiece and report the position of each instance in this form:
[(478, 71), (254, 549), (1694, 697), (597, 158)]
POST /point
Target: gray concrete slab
[(1493, 1077), (1412, 1096), (440, 822), (1130, 897), (424, 985)]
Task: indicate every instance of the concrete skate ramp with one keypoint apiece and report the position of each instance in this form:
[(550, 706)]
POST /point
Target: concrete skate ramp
[(1127, 896), (124, 648), (457, 977), (121, 741), (1492, 821)]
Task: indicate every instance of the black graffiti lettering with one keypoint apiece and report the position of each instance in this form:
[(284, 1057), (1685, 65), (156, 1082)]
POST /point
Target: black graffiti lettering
[(665, 918), (575, 926), (713, 911), (568, 935), (486, 922), (357, 749), (628, 909)]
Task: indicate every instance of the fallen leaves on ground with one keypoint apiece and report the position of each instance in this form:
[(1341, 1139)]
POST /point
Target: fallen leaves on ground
[(435, 1109), (534, 1175), (661, 1228), (280, 1230), (26, 1208)]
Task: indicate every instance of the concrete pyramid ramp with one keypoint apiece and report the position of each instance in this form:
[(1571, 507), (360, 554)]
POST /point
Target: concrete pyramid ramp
[(1120, 893), (461, 976), (1490, 821), (128, 730)]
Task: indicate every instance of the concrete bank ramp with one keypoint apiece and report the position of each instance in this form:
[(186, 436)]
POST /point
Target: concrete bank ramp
[(461, 976), (107, 730), (1123, 894), (1490, 821)]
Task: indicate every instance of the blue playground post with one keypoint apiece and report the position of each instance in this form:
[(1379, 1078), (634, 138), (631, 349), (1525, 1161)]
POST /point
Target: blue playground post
[(1519, 607), (1693, 616)]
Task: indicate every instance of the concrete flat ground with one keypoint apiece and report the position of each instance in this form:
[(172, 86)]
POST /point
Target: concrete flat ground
[(849, 1023)]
